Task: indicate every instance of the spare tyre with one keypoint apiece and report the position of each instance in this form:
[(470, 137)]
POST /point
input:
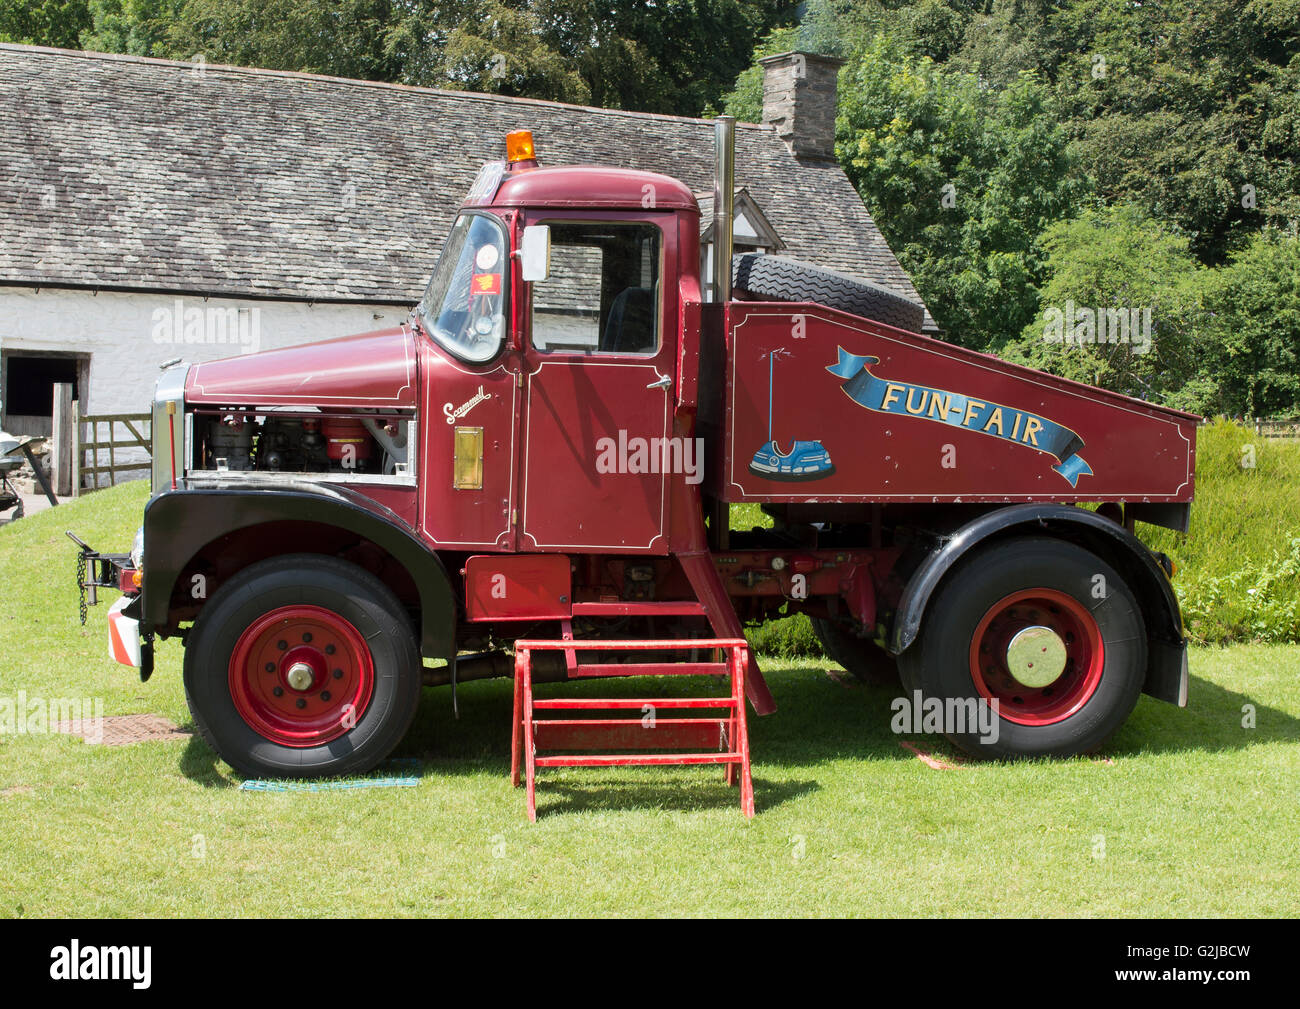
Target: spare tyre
[(776, 278)]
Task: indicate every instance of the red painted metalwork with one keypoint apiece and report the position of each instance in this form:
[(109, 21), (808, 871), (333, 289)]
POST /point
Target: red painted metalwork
[(684, 608), (342, 676), (711, 591), (607, 669), (576, 402), (368, 370), (518, 587), (458, 395), (727, 733), (568, 503), (1086, 656), (955, 424), (586, 186)]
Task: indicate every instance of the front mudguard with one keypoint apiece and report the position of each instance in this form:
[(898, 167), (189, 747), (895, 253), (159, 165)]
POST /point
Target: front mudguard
[(180, 523)]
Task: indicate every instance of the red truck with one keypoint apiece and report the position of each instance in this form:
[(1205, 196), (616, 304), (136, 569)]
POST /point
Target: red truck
[(556, 438)]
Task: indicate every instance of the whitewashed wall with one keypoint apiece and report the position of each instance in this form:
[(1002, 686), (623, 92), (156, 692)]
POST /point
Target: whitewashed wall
[(129, 335)]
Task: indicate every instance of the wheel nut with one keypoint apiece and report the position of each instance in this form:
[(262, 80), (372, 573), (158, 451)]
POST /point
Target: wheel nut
[(278, 691), (300, 703), (329, 649), (338, 674), (324, 695), (270, 667), (282, 645), (300, 676), (307, 636)]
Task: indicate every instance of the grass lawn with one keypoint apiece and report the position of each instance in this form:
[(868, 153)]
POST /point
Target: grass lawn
[(1189, 814)]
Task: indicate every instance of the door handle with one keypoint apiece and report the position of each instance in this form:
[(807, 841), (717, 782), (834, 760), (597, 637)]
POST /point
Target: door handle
[(662, 383)]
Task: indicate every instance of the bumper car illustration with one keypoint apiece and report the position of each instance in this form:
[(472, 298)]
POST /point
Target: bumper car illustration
[(806, 460)]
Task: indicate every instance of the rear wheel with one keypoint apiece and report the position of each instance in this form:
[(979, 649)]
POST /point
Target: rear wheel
[(864, 659), (1042, 632), (303, 667)]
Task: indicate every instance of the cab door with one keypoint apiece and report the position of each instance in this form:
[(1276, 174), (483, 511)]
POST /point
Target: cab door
[(598, 400)]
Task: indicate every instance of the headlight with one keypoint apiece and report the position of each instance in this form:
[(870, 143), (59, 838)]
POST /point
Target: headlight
[(137, 550)]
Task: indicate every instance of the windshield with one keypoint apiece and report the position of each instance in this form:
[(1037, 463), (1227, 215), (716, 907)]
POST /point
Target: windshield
[(462, 307)]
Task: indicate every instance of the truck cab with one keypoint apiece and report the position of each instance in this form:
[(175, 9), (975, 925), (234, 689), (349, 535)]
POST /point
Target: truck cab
[(537, 378)]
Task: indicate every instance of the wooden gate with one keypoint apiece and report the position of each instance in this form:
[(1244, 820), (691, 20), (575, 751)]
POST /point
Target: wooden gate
[(105, 436)]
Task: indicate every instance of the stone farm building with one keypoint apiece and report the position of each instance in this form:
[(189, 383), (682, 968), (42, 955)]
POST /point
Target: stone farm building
[(291, 208)]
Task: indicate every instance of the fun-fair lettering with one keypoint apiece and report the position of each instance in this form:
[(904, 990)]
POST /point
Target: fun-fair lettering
[(933, 404), (996, 420)]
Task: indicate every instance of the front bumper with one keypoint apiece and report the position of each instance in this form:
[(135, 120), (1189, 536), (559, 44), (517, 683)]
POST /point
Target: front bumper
[(124, 634), (97, 571)]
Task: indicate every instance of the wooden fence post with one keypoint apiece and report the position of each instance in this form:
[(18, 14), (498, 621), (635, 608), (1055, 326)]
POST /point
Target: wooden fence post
[(76, 448), (62, 440)]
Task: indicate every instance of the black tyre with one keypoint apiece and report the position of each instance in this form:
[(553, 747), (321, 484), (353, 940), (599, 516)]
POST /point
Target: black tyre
[(776, 278), (302, 667), (862, 658), (1044, 628)]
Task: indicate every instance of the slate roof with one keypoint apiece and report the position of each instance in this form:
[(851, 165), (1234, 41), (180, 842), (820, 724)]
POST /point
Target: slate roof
[(123, 172)]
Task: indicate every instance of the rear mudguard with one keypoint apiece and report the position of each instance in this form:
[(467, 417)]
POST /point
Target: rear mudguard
[(1166, 677), (178, 524)]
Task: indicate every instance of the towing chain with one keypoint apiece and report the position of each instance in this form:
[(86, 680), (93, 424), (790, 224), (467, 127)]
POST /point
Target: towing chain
[(81, 585)]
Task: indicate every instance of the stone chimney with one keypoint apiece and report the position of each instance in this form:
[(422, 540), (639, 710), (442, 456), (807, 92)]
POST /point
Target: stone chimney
[(799, 100)]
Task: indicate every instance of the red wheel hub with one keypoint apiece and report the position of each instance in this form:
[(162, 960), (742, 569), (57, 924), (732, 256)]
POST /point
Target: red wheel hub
[(301, 676), (1039, 654)]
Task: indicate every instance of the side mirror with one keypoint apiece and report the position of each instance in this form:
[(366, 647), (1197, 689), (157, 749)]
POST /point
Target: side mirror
[(535, 252)]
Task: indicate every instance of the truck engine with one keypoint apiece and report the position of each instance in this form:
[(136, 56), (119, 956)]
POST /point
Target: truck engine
[(282, 441)]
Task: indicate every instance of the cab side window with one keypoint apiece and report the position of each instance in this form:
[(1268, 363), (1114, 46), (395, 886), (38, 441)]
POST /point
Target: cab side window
[(602, 295)]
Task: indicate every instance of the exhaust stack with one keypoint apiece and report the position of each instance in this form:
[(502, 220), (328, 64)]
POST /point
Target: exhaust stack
[(724, 190)]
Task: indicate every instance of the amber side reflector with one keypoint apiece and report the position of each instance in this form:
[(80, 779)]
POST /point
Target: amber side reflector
[(467, 459), (519, 146)]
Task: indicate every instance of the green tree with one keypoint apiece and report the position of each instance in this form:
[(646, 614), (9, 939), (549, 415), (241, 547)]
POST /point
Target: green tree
[(672, 56), (344, 38), (1251, 339), (1007, 37), (1109, 267), (829, 27), (1189, 109), (57, 23), (138, 27), (931, 28), (961, 181)]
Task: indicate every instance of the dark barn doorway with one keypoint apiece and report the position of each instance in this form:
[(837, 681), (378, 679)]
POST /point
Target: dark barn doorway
[(27, 380)]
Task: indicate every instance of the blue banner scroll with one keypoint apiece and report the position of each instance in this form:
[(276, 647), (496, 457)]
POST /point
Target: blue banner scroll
[(906, 399)]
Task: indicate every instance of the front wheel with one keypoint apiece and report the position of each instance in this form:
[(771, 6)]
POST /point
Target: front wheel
[(1032, 648), (303, 667)]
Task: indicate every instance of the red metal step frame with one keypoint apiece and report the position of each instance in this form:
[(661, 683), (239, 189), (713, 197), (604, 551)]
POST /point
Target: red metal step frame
[(728, 733)]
